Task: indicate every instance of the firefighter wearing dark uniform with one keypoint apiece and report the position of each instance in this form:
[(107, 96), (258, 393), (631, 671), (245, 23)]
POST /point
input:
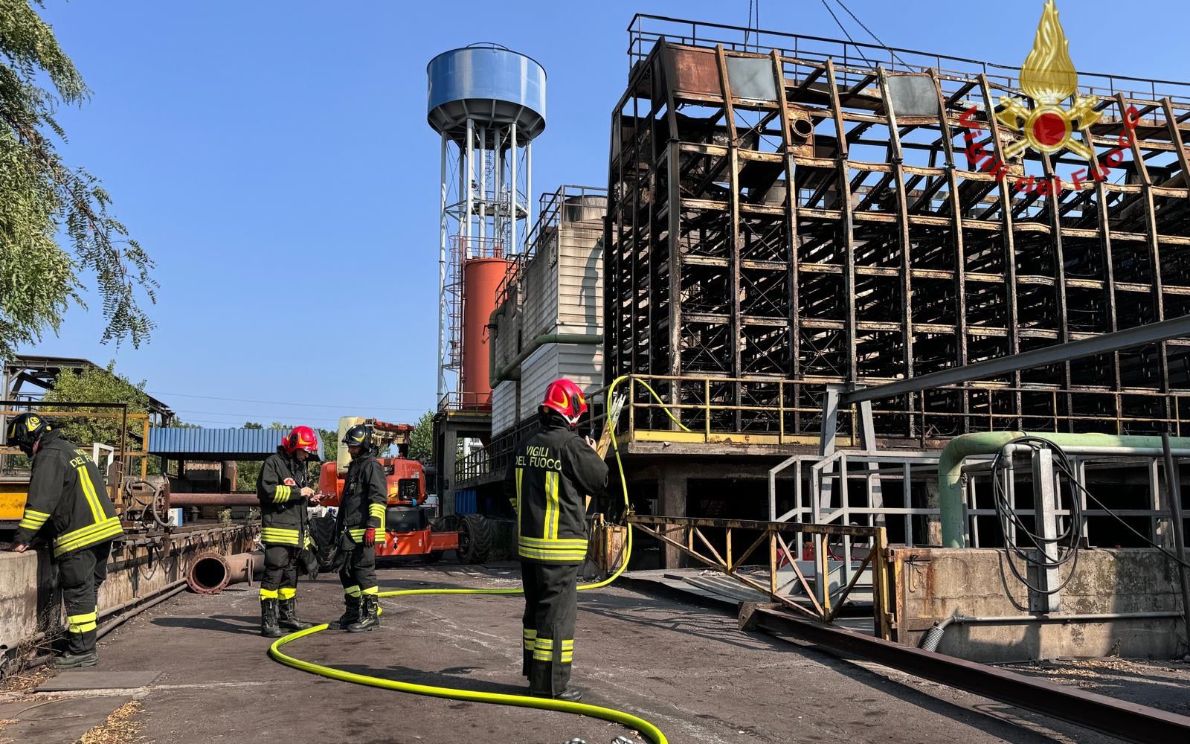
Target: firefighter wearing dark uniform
[(360, 520), (283, 495), (551, 474), (67, 498)]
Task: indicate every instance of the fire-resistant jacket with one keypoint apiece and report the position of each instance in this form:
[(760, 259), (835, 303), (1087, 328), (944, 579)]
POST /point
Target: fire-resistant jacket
[(550, 475), (67, 492), (282, 506), (365, 497)]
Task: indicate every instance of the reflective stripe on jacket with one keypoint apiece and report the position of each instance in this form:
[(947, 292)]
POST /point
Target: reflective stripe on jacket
[(282, 506), (365, 498), (67, 493), (550, 475)]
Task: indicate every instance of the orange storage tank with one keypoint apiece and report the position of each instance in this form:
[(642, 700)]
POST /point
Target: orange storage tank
[(481, 280)]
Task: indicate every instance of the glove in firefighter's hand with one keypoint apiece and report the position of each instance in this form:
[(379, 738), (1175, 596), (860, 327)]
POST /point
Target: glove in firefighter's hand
[(370, 536)]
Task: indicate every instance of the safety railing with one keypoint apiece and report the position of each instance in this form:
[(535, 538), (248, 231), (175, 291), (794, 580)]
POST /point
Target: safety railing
[(782, 577), (464, 401), (655, 404), (768, 411), (646, 30), (893, 490)]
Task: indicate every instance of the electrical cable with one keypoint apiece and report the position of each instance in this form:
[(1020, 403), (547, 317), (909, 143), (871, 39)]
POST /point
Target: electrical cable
[(753, 23), (879, 41), (646, 728), (281, 402), (845, 33), (1070, 539), (1170, 555), (1009, 520)]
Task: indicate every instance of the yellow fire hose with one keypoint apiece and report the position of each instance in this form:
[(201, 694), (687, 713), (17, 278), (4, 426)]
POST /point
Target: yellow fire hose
[(647, 729)]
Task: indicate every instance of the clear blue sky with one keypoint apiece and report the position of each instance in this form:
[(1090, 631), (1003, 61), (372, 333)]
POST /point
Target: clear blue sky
[(274, 157)]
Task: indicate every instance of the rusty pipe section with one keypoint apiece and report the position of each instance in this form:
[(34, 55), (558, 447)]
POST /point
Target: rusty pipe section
[(213, 499), (211, 573)]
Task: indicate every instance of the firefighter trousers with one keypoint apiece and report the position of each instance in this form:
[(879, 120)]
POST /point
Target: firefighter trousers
[(280, 572), (551, 605), (358, 574), (80, 574)]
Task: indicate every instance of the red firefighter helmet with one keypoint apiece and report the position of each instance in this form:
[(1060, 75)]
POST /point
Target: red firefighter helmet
[(301, 438), (566, 398)]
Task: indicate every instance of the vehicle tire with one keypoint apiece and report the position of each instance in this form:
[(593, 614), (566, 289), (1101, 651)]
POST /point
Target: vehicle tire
[(475, 539)]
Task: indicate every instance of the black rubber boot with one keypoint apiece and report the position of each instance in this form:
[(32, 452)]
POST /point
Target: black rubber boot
[(76, 661), (570, 695), (268, 619), (351, 614), (369, 615), (287, 617)]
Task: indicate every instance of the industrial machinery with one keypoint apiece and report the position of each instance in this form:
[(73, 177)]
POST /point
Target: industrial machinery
[(413, 527)]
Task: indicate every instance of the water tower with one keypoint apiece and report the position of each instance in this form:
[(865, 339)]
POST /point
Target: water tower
[(488, 104)]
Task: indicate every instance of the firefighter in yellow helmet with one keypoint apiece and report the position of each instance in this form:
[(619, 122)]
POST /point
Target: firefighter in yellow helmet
[(68, 501)]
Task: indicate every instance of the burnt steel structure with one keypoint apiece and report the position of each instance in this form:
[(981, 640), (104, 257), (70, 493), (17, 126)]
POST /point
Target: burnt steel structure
[(790, 212)]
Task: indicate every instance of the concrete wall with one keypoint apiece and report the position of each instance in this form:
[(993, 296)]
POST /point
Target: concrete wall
[(932, 584), (30, 602)]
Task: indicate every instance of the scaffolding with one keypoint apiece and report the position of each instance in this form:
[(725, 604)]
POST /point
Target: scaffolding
[(829, 213)]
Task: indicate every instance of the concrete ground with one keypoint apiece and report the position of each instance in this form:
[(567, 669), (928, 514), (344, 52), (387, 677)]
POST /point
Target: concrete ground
[(685, 668)]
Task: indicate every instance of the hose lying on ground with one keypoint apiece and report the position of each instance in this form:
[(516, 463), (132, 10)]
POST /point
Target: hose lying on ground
[(647, 729)]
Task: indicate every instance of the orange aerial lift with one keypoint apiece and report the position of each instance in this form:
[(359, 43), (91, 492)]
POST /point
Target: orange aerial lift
[(412, 527)]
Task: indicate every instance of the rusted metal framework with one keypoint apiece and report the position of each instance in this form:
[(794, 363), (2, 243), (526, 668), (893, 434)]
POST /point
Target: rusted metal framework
[(833, 213)]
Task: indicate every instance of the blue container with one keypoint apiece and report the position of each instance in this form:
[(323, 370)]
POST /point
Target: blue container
[(492, 86), (212, 444), (465, 501)]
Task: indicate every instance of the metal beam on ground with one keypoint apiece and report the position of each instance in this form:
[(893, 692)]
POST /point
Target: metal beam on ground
[(1129, 721)]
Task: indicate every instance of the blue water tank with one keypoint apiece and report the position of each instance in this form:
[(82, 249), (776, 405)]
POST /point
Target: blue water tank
[(492, 86)]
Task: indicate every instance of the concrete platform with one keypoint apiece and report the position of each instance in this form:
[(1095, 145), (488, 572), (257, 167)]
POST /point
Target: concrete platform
[(686, 668)]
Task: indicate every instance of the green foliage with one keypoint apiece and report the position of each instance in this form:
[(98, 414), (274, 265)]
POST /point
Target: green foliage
[(42, 198), (421, 441), (247, 472), (330, 444), (95, 385)]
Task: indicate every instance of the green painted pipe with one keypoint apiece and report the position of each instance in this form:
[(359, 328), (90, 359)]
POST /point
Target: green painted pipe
[(950, 465)]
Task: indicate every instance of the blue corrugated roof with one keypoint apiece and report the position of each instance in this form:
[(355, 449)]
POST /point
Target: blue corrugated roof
[(250, 442)]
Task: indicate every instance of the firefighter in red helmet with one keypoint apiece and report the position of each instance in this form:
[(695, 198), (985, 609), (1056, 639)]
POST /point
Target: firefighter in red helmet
[(283, 492), (549, 477)]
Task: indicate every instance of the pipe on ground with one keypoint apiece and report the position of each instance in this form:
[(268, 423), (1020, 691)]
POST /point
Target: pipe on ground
[(933, 636), (950, 464), (114, 617), (211, 573)]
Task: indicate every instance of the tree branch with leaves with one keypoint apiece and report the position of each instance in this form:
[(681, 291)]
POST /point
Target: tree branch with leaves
[(41, 197)]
